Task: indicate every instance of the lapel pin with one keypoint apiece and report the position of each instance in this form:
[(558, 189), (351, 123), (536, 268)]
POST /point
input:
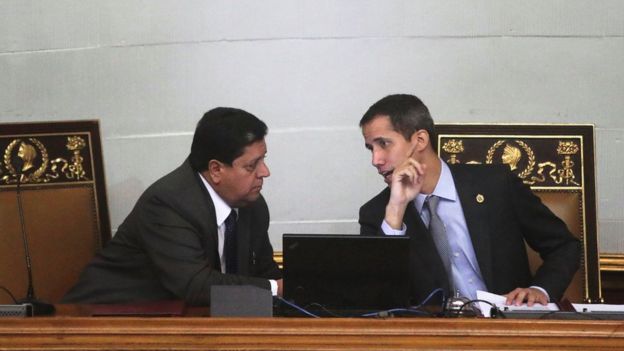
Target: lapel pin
[(480, 198)]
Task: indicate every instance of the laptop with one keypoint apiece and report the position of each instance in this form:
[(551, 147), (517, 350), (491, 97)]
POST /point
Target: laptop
[(346, 274)]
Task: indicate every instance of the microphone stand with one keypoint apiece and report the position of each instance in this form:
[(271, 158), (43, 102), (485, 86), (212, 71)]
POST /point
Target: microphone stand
[(39, 308)]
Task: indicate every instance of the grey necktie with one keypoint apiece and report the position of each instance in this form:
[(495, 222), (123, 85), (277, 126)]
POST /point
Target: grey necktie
[(438, 232)]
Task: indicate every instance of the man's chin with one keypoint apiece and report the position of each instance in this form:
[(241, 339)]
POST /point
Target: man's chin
[(248, 200)]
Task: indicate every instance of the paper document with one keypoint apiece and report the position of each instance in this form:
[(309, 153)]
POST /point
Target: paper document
[(499, 301)]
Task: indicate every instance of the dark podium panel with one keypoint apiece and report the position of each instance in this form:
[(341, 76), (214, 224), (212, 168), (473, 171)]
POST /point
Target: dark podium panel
[(557, 162), (65, 214)]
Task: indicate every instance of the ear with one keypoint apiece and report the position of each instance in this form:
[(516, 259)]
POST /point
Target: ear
[(420, 140), (214, 171)]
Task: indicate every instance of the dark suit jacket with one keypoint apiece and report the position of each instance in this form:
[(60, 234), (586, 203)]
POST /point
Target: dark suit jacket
[(498, 227), (167, 248)]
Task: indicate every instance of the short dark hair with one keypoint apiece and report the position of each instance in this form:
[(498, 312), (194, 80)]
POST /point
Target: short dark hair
[(407, 113), (222, 134)]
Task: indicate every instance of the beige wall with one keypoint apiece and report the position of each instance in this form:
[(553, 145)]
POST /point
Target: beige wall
[(149, 69)]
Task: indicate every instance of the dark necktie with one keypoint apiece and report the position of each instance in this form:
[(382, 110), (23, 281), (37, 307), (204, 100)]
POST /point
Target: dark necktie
[(229, 246), (438, 232)]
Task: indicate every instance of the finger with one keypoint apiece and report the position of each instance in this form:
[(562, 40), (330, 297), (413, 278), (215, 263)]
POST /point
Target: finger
[(510, 296), (415, 177), (520, 297), (531, 296), (419, 167), (408, 174), (542, 298)]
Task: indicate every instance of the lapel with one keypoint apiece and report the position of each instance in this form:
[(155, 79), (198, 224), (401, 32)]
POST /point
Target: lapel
[(199, 200), (476, 215), (243, 240), (425, 255)]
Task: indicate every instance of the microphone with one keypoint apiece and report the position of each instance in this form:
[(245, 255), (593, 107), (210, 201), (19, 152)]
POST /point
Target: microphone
[(39, 308)]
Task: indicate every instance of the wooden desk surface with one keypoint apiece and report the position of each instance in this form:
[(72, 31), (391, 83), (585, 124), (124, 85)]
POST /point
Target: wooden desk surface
[(72, 332)]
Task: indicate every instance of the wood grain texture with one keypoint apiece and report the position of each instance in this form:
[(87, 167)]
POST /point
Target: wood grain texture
[(196, 333)]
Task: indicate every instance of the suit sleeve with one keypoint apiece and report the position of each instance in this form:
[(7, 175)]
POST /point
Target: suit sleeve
[(548, 235), (370, 219), (181, 255), (262, 262)]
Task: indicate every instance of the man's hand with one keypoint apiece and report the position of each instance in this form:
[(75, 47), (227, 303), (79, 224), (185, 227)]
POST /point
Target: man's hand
[(407, 180), (530, 295), (280, 287)]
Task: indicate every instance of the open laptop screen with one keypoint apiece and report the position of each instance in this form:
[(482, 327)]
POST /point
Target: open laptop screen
[(346, 272)]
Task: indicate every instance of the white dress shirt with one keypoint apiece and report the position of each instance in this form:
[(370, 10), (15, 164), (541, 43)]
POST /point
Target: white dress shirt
[(222, 211)]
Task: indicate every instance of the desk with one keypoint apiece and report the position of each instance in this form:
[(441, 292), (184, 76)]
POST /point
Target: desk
[(204, 333)]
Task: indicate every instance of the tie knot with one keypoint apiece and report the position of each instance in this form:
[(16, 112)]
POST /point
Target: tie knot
[(432, 203)]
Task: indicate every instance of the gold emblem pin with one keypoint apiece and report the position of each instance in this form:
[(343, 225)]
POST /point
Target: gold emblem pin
[(480, 198)]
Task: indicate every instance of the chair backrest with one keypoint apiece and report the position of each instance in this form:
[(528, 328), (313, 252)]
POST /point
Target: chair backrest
[(64, 212), (557, 161)]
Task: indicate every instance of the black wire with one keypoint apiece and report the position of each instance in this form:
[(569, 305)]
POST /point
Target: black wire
[(411, 309), (9, 293), (316, 304), (478, 300), (392, 312), (30, 294)]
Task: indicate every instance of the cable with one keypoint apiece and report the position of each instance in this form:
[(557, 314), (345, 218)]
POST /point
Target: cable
[(316, 304), (389, 313), (411, 309), (296, 307), (494, 310), (383, 313), (30, 294), (9, 293), (431, 295)]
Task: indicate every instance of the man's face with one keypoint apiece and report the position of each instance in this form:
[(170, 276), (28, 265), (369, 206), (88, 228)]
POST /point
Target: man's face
[(241, 183), (388, 147)]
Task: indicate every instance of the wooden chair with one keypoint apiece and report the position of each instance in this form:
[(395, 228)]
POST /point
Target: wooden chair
[(64, 209), (557, 161)]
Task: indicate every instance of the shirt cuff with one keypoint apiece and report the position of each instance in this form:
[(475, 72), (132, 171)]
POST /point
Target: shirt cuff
[(542, 290), (273, 287), (388, 230)]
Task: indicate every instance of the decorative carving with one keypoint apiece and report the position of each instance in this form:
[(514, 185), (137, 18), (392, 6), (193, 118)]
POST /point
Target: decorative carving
[(519, 154), (75, 170), (540, 178), (566, 173), (511, 155), (33, 164), (32, 158), (453, 147)]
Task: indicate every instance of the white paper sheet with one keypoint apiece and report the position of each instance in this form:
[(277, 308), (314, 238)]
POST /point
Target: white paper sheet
[(499, 301)]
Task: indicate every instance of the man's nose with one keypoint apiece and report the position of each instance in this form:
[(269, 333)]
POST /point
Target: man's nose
[(263, 170), (378, 158)]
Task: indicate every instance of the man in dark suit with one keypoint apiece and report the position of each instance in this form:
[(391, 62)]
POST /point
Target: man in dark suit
[(467, 223), (203, 224)]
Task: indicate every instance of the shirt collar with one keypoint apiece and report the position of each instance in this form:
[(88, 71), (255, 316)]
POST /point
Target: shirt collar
[(444, 189), (222, 210)]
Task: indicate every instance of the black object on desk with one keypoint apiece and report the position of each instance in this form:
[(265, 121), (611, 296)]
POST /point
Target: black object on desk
[(240, 301), (346, 274)]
